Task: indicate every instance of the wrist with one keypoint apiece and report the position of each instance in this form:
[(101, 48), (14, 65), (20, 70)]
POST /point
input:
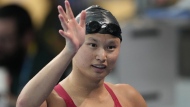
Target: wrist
[(69, 51)]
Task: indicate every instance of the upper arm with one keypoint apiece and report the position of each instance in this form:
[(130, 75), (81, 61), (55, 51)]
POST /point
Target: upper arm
[(53, 100), (44, 104), (133, 96)]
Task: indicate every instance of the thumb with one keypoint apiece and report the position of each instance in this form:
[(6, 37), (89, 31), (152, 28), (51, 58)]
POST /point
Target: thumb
[(82, 22)]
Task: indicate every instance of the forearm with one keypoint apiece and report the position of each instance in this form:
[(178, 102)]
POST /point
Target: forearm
[(38, 88), (41, 85)]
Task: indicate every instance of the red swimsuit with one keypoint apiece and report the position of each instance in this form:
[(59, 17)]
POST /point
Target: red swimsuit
[(69, 102)]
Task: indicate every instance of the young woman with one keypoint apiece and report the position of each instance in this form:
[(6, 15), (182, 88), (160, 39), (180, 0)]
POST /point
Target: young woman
[(92, 43)]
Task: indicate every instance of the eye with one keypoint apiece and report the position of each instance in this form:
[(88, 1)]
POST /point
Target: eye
[(93, 45), (111, 47)]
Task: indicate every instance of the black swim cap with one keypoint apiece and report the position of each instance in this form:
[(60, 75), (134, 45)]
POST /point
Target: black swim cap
[(99, 20)]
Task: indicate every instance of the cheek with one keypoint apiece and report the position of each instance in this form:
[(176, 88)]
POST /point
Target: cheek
[(83, 57), (112, 59)]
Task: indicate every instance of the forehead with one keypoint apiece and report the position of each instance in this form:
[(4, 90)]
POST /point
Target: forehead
[(102, 38)]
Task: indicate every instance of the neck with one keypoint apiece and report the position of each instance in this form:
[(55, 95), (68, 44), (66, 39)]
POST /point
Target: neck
[(83, 86)]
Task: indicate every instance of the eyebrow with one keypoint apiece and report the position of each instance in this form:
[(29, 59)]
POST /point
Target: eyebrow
[(109, 41), (90, 38), (114, 42)]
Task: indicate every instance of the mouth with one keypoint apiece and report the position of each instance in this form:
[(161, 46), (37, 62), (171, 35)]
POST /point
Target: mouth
[(99, 66)]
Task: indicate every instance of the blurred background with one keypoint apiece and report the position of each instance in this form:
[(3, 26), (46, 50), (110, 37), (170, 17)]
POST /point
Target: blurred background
[(155, 51)]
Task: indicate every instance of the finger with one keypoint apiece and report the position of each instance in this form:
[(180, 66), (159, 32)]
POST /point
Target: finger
[(61, 11), (63, 22), (82, 22), (64, 34), (69, 11)]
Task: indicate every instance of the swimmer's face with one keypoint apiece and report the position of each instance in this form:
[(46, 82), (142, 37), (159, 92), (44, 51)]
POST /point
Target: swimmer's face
[(97, 56)]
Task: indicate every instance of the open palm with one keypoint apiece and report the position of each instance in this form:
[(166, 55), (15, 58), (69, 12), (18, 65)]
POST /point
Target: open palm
[(73, 32)]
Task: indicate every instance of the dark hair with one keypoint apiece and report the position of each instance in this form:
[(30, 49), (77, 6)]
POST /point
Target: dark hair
[(100, 20), (21, 17)]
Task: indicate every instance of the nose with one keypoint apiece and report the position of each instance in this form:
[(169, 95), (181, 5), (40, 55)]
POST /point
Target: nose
[(101, 55)]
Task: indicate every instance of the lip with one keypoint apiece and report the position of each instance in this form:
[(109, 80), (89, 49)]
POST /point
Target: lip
[(99, 68)]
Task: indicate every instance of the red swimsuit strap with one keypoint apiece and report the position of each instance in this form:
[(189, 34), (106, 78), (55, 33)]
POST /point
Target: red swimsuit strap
[(69, 102), (116, 101), (62, 93)]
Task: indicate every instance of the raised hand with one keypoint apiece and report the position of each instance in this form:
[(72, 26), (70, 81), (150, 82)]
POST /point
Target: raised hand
[(73, 32)]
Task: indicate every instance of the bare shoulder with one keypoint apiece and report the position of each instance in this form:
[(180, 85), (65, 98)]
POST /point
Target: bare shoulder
[(129, 93), (55, 100)]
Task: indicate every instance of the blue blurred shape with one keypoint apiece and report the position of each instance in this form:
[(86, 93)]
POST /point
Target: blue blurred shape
[(168, 13)]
